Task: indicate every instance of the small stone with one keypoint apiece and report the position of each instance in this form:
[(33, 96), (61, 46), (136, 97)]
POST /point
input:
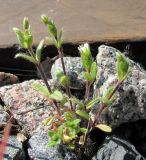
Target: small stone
[(38, 146), (14, 149), (7, 79), (115, 148), (74, 69)]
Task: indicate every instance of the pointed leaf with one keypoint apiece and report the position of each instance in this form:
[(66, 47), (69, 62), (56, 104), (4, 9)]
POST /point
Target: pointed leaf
[(69, 116), (60, 38), (87, 76), (92, 102), (93, 71), (86, 57), (39, 50), (51, 25), (77, 101), (104, 127), (83, 130), (44, 19), (20, 36), (48, 121), (122, 66), (25, 23), (41, 89), (57, 95), (26, 57), (52, 28), (83, 114), (106, 96)]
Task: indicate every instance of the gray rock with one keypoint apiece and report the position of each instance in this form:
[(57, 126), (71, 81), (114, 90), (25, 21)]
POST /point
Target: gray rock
[(130, 103), (22, 97), (14, 149), (3, 117), (115, 148), (40, 151), (74, 69), (7, 79)]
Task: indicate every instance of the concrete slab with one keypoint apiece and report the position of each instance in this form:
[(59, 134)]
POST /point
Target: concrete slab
[(82, 20)]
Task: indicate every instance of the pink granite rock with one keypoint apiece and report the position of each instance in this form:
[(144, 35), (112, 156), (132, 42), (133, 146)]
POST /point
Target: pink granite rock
[(21, 97)]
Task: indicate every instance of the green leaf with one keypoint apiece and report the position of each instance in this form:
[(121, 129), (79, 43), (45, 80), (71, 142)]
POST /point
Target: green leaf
[(20, 36), (73, 124), (44, 19), (93, 70), (60, 131), (52, 143), (26, 57), (104, 128), (122, 66), (48, 121), (52, 28), (107, 94), (64, 80), (59, 73), (25, 23), (41, 89), (55, 136), (69, 116), (83, 130), (51, 25), (28, 40), (60, 39), (87, 76), (39, 51), (92, 102), (76, 122), (57, 95), (83, 114), (77, 101), (86, 56)]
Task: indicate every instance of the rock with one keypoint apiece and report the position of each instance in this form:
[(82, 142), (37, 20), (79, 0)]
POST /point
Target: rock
[(7, 79), (21, 97), (39, 150), (130, 103), (117, 149), (74, 69), (14, 149), (3, 117)]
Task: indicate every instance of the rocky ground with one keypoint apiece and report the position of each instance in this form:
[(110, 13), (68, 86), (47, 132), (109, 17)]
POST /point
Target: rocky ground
[(127, 115)]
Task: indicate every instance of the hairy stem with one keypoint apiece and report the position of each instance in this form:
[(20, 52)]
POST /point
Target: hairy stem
[(43, 76), (91, 124), (87, 92), (87, 132), (102, 105), (61, 55)]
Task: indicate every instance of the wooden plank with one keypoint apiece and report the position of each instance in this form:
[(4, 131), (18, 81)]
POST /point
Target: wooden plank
[(82, 20)]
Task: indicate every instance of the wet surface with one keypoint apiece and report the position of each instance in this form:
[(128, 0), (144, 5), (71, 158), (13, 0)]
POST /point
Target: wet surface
[(88, 20)]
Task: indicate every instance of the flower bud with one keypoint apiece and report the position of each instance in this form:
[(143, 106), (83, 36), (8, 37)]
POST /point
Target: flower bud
[(45, 19)]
